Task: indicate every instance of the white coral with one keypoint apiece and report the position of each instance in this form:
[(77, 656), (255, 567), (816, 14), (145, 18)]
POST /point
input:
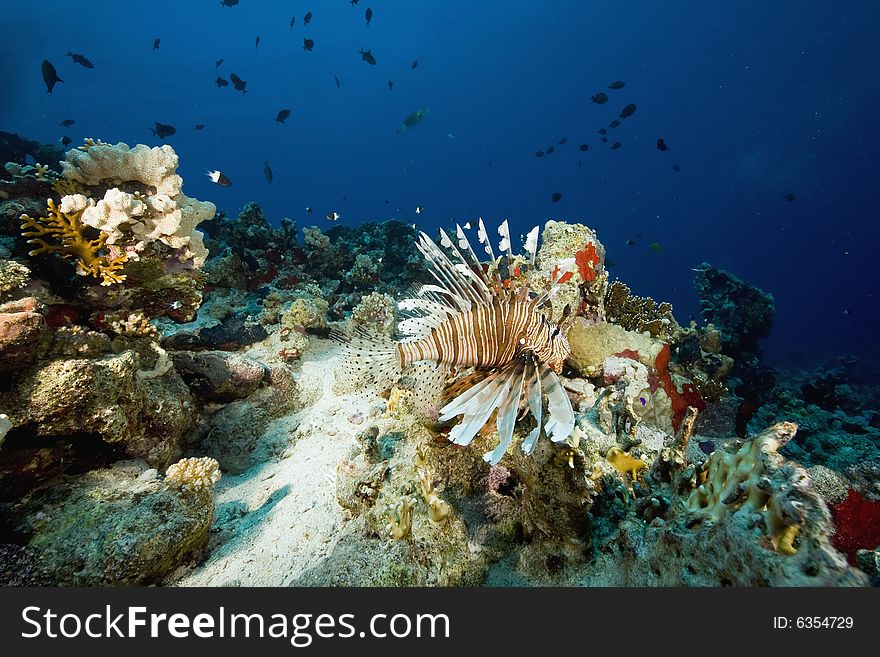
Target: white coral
[(194, 474), (164, 214)]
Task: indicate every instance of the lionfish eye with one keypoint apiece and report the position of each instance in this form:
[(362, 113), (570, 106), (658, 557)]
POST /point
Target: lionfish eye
[(555, 332)]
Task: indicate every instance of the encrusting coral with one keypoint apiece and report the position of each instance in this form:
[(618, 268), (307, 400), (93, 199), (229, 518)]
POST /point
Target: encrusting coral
[(91, 255), (743, 481), (640, 314)]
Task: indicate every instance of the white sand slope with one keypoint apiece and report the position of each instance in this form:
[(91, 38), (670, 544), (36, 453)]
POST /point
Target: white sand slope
[(280, 518)]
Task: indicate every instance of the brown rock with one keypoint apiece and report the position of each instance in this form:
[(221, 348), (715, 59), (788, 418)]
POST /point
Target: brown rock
[(20, 334)]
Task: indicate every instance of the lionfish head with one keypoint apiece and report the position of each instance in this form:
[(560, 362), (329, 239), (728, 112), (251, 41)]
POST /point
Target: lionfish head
[(547, 343)]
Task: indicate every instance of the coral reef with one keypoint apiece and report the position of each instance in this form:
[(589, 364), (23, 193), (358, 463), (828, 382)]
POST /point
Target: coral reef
[(192, 364)]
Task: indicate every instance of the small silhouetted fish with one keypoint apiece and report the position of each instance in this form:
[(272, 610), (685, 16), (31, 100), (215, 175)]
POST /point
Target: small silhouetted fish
[(789, 197), (676, 168), (563, 140), (415, 63), (333, 216), (603, 131), (50, 76), (308, 44), (79, 59), (617, 84), (539, 153), (390, 85), (228, 3), (419, 209), (847, 311), (65, 140), (629, 110), (67, 123), (556, 197), (615, 146), (257, 43), (656, 247), (282, 115), (549, 150), (162, 131), (292, 21), (156, 44), (368, 15), (615, 123), (367, 56), (309, 210), (609, 264), (220, 82), (219, 178), (238, 83), (604, 140), (218, 62), (584, 147), (337, 81), (354, 2), (412, 120), (200, 126), (307, 18), (600, 98), (661, 145), (267, 171), (630, 242)]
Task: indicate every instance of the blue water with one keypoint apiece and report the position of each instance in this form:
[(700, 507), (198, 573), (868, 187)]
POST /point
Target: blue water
[(756, 100)]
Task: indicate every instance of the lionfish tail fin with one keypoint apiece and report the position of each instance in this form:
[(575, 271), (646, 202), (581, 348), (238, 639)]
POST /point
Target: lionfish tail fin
[(370, 358)]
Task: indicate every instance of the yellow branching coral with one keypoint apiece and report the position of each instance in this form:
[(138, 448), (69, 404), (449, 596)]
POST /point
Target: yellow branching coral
[(625, 463), (68, 229), (438, 508), (400, 517)]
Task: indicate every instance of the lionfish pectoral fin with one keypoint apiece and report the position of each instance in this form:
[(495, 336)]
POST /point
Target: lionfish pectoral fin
[(536, 406), (477, 406), (560, 424), (507, 412)]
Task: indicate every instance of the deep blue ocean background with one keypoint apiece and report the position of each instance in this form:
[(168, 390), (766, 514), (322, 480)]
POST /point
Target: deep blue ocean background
[(756, 100)]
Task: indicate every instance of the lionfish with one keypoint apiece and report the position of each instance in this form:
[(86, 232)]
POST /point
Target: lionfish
[(477, 318)]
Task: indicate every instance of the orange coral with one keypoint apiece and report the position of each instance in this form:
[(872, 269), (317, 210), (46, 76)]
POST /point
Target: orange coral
[(586, 261), (69, 230)]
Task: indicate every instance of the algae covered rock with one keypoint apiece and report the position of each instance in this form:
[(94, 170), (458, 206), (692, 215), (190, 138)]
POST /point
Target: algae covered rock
[(111, 397), (108, 527), (591, 344)]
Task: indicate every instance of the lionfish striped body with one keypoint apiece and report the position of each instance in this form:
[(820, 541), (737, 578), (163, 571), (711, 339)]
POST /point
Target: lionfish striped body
[(493, 324)]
